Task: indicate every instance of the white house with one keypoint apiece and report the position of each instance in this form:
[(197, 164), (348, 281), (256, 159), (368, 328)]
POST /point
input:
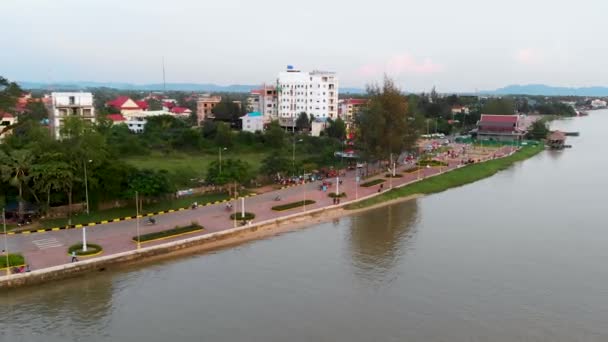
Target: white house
[(65, 105), (6, 120), (315, 93), (252, 122), (317, 126), (597, 103)]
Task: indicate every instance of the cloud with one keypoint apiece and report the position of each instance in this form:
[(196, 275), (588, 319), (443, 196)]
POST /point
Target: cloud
[(528, 56), (400, 64)]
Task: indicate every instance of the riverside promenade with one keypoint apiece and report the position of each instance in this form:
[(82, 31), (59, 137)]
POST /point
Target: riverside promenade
[(49, 249)]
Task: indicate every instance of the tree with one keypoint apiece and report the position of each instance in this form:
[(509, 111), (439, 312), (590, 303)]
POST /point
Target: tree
[(36, 111), (275, 164), (51, 173), (274, 136), (336, 129), (149, 183), (9, 94), (226, 110), (538, 130), (387, 125), (499, 106), (223, 136), (303, 122), (232, 171), (15, 168)]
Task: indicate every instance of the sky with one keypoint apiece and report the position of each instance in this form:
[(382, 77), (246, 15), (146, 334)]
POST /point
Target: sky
[(463, 45)]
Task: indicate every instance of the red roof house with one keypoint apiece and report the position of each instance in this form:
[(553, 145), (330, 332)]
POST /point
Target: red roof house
[(116, 118), (124, 104), (181, 111), (142, 104)]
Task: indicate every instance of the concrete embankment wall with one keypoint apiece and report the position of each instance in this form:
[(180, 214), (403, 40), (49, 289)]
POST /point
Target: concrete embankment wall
[(217, 239)]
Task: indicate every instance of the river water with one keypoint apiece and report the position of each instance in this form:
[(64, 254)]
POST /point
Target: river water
[(521, 256)]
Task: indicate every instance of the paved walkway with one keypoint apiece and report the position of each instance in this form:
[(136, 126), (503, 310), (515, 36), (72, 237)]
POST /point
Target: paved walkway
[(50, 248)]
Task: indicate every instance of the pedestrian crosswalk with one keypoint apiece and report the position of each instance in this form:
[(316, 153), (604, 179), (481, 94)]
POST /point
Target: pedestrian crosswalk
[(47, 243)]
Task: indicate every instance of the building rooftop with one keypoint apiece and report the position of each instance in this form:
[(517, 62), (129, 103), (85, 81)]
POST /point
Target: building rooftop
[(116, 117), (499, 118)]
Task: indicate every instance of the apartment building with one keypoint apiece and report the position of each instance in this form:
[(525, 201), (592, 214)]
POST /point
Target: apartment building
[(349, 108), (204, 107), (65, 105), (315, 93)]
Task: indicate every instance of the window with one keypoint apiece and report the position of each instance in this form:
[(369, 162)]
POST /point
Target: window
[(72, 100)]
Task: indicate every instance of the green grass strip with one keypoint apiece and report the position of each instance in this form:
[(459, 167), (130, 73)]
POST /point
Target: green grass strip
[(373, 182), (455, 178), (91, 249), (13, 260), (168, 233), (292, 205)]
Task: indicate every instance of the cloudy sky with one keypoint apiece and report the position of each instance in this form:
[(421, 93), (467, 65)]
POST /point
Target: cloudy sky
[(455, 45)]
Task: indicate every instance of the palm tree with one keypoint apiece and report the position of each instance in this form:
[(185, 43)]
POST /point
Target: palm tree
[(15, 168)]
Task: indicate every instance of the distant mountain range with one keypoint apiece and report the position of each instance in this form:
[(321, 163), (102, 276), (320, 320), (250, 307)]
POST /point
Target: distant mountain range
[(197, 87), (545, 90), (530, 89)]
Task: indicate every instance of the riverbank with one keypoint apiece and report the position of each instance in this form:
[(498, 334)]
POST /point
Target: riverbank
[(410, 190), (462, 176)]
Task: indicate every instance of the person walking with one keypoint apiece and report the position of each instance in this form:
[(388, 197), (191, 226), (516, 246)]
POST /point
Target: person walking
[(74, 258)]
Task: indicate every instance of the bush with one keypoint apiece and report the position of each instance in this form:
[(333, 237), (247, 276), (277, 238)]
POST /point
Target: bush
[(168, 233), (372, 183), (91, 249), (390, 175), (334, 195), (239, 216), (431, 162), (292, 205), (13, 260), (414, 169)]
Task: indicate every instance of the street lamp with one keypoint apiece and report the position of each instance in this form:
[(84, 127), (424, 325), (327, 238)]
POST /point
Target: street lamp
[(86, 184), (220, 152), (293, 154), (137, 218), (8, 267), (86, 194)]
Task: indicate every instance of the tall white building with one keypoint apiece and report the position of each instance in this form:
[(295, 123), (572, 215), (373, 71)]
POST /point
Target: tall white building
[(65, 105), (315, 93)]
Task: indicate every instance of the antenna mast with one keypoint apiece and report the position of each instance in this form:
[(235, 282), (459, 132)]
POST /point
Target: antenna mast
[(164, 82)]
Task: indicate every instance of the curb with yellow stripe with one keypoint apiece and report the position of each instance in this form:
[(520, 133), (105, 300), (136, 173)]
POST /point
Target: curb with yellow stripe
[(91, 224)]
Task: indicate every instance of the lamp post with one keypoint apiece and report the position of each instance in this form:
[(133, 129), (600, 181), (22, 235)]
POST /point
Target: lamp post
[(220, 152), (293, 154), (86, 185), (137, 218), (8, 267)]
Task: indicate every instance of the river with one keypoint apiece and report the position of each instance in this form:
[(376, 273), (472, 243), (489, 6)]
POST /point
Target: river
[(520, 256)]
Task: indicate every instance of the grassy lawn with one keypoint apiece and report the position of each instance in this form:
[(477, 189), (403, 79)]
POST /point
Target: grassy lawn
[(458, 177), (110, 214), (198, 163)]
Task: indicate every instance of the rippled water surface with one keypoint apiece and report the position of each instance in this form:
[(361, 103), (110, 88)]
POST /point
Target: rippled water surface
[(520, 256)]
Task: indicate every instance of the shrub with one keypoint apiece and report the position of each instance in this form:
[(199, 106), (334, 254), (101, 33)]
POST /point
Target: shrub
[(414, 169), (168, 233), (13, 260), (239, 216), (91, 249), (431, 162), (292, 205), (390, 175), (373, 182), (334, 195)]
